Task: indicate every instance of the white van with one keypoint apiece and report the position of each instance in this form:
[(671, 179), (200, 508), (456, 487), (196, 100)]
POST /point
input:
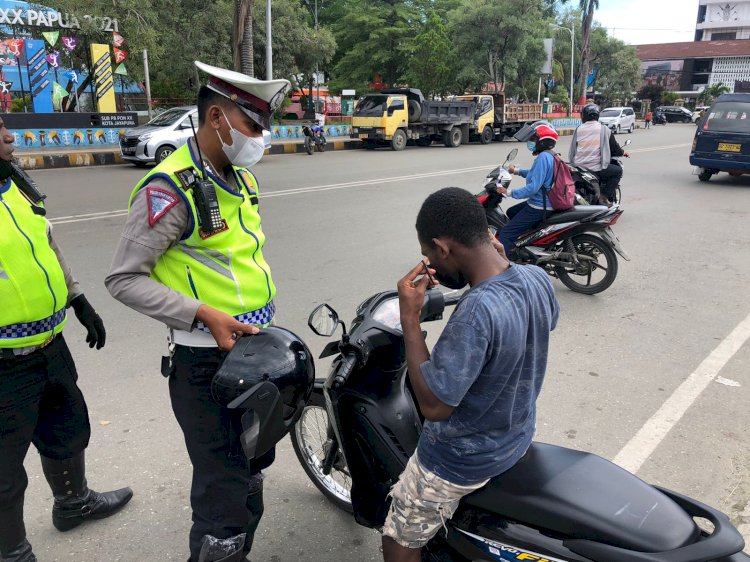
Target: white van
[(618, 119)]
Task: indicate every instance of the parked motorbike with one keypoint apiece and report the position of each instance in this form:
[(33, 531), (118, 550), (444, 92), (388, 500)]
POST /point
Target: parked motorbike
[(362, 424), (314, 139), (588, 186), (660, 118), (577, 246)]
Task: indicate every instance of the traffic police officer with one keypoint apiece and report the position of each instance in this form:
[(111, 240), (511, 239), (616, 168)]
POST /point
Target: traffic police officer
[(40, 401), (191, 256)]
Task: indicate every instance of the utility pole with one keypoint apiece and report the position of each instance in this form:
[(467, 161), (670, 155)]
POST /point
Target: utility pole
[(269, 50), (147, 83)]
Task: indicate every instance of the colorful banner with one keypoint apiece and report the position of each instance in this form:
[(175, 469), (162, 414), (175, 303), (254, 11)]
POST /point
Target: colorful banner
[(121, 70), (103, 80), (58, 92), (15, 46), (51, 37), (53, 59), (117, 39), (73, 76), (70, 43), (120, 55), (40, 82)]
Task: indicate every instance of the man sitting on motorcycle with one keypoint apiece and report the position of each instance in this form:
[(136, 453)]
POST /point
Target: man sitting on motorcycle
[(478, 387), (317, 131), (593, 147), (540, 138)]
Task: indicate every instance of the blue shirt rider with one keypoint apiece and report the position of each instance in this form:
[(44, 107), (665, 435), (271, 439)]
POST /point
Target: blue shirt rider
[(540, 138)]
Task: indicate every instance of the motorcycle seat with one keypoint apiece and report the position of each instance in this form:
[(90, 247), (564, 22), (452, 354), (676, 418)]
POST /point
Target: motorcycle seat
[(581, 495), (577, 213)]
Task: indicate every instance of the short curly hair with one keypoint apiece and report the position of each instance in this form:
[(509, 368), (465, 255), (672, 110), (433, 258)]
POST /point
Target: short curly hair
[(454, 213)]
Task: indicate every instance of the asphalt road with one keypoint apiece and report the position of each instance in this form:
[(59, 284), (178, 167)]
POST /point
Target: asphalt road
[(340, 227)]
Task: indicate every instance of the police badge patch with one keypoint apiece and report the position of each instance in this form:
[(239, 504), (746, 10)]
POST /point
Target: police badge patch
[(159, 203)]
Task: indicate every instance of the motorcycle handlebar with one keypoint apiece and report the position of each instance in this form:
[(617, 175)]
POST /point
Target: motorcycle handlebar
[(348, 364)]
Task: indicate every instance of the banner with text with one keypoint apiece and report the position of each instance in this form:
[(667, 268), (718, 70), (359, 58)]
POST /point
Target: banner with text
[(40, 79), (103, 81)]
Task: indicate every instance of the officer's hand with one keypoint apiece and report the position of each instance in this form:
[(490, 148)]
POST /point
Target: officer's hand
[(225, 329), (87, 316)]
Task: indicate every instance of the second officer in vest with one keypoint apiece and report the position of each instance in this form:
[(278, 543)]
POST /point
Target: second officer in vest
[(191, 256)]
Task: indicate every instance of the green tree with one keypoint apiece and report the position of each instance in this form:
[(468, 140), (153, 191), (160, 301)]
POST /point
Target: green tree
[(619, 78), (371, 36), (653, 92), (431, 59), (499, 41), (710, 93)]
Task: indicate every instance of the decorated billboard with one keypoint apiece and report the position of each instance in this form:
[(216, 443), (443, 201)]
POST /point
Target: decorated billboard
[(104, 85)]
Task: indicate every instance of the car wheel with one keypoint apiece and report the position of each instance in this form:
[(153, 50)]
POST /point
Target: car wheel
[(632, 127), (487, 135), (163, 152), (705, 176), (398, 141)]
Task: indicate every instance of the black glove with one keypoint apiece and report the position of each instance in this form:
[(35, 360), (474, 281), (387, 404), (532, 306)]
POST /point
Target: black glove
[(91, 321)]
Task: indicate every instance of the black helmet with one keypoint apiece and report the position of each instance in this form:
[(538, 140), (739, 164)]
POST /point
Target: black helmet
[(590, 112), (271, 375)]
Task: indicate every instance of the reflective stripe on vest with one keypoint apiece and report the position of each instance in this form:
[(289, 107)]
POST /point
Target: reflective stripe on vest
[(226, 270), (33, 291)]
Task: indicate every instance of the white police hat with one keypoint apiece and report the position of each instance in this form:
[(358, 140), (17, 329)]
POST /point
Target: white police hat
[(257, 98)]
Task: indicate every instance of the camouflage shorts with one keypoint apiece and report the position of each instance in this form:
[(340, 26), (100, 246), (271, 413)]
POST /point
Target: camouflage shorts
[(422, 503)]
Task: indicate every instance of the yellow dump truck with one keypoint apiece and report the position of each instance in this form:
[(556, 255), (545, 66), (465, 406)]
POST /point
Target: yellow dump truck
[(494, 119), (394, 117)]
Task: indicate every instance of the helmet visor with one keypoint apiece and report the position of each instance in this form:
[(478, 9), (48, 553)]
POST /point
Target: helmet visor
[(525, 133)]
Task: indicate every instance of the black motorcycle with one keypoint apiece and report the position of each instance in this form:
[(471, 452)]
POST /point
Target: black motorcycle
[(576, 246), (588, 185), (660, 118), (361, 425), (314, 139)]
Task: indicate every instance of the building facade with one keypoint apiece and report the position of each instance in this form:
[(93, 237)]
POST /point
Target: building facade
[(720, 20)]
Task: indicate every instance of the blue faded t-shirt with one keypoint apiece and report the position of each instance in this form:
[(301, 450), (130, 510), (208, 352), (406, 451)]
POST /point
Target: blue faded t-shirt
[(489, 364)]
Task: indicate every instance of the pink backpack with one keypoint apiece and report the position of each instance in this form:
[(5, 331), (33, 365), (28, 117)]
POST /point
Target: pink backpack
[(562, 193)]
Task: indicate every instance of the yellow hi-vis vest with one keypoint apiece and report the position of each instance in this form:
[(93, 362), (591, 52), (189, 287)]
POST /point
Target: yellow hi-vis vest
[(225, 270), (33, 293)]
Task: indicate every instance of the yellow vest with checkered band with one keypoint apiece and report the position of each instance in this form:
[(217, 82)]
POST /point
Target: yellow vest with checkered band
[(226, 270), (33, 293)]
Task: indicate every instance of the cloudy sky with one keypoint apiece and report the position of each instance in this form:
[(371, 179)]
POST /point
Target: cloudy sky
[(649, 21)]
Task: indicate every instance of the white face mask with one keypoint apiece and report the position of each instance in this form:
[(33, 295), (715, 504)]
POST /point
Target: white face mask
[(244, 151)]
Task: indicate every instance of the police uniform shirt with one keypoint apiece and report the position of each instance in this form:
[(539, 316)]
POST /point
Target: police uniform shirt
[(138, 251)]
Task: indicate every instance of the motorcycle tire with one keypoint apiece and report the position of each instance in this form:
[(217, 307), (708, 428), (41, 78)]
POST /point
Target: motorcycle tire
[(322, 147), (592, 247), (309, 145), (311, 438)]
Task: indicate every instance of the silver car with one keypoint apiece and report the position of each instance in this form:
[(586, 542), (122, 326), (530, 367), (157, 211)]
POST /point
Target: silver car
[(164, 134)]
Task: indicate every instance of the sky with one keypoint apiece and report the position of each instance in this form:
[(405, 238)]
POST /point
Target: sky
[(649, 21)]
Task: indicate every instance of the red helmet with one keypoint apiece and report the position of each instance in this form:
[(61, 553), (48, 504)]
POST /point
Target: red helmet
[(544, 131)]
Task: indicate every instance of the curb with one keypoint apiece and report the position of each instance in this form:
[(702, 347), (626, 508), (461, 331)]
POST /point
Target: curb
[(36, 161)]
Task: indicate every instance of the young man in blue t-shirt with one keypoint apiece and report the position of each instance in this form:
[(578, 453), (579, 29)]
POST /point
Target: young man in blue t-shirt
[(478, 388)]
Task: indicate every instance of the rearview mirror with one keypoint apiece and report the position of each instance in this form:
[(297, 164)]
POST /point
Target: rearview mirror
[(627, 142), (323, 320), (512, 155)]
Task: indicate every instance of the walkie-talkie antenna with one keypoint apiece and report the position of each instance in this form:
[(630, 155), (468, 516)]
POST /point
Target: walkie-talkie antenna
[(200, 156)]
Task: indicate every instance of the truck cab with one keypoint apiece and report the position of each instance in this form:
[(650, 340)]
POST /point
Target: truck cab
[(377, 117)]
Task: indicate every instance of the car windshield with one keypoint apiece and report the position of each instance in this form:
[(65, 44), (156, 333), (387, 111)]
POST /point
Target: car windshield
[(167, 118), (728, 117), (371, 106), (610, 113)]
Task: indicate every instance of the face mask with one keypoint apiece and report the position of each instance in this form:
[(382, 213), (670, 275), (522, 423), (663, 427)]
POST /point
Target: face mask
[(455, 283), (244, 151), (531, 145)]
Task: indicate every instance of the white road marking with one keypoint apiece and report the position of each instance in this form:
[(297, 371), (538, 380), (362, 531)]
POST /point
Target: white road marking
[(331, 187), (639, 448)]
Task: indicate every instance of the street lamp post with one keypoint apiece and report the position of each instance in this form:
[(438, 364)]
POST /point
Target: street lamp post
[(572, 56)]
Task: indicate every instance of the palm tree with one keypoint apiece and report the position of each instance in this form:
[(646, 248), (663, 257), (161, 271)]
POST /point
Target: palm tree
[(713, 91), (242, 36), (588, 7)]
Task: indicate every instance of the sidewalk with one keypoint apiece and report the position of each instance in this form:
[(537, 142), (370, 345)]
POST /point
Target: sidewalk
[(69, 157)]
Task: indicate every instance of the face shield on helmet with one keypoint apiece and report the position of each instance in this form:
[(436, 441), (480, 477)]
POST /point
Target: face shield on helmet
[(270, 375), (526, 132)]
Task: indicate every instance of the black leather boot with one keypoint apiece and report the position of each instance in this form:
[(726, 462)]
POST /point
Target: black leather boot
[(75, 502), (20, 553)]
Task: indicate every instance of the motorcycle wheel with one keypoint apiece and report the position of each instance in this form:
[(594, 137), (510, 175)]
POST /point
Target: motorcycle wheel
[(312, 440), (309, 145), (592, 249)]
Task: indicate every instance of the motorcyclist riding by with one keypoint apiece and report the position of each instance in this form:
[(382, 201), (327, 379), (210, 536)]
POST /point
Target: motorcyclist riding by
[(540, 139), (593, 147)]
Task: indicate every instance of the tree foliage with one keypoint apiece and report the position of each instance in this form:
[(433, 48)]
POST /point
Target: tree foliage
[(431, 59), (710, 93)]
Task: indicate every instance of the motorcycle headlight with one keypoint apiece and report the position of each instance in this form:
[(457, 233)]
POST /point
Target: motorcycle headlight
[(145, 136)]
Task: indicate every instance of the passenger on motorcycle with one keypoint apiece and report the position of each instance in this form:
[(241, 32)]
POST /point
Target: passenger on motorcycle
[(317, 130), (540, 139), (593, 147), (478, 388)]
